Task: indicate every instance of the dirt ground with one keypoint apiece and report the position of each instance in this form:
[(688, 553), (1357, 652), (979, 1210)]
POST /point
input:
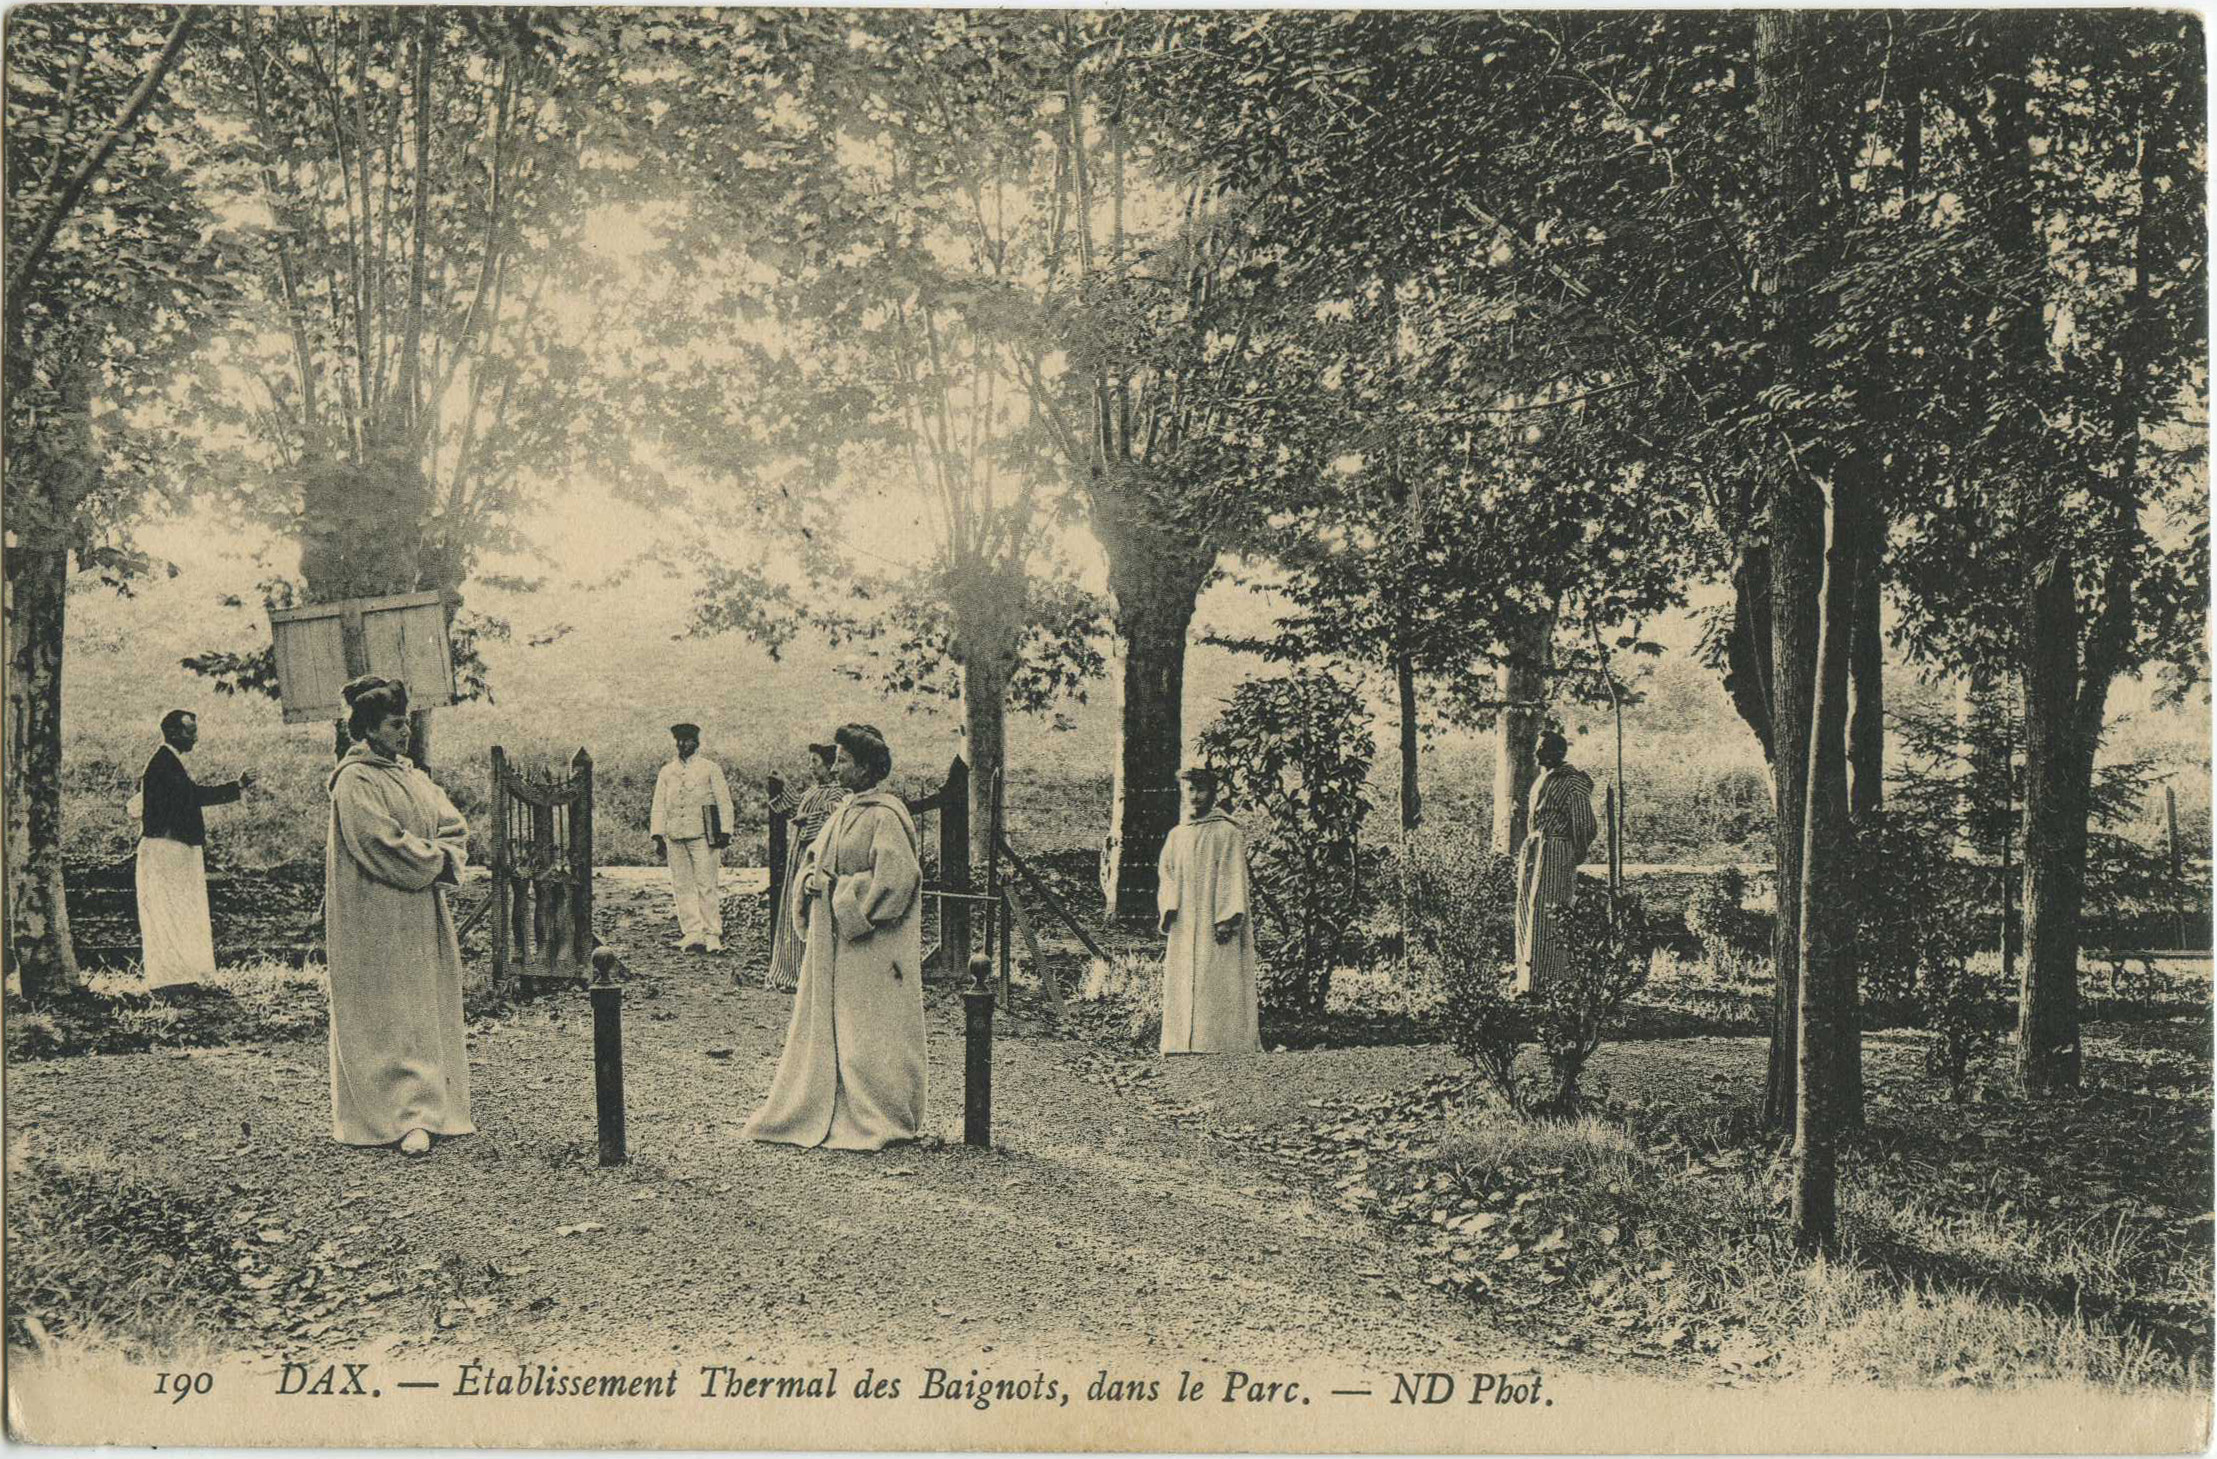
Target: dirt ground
[(1105, 1222)]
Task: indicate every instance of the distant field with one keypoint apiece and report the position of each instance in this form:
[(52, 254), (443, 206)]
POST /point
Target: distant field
[(1698, 788)]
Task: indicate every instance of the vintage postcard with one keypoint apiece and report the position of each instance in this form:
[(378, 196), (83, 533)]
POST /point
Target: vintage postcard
[(1165, 730)]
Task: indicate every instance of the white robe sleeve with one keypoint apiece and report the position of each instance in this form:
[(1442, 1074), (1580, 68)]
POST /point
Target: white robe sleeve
[(1230, 851), (656, 817), (377, 842), (864, 901)]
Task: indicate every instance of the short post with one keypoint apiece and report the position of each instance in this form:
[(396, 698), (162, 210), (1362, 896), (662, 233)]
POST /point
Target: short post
[(608, 1055), (977, 1061)]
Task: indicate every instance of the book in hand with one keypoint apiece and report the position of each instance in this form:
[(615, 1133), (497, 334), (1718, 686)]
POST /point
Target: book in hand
[(715, 819)]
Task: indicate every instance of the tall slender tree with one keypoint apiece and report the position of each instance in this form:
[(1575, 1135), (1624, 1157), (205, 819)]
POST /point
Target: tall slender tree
[(114, 269), (405, 380)]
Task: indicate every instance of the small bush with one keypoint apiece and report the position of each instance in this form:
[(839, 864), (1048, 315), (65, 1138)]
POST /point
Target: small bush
[(1919, 916), (1607, 949), (1463, 904), (1466, 900), (1717, 914), (1964, 1009)]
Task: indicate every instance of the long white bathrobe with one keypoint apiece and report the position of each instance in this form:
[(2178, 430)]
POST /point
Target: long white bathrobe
[(1209, 1000), (853, 1076), (399, 1059)]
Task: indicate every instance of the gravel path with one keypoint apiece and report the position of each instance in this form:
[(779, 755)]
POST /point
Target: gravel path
[(1101, 1227)]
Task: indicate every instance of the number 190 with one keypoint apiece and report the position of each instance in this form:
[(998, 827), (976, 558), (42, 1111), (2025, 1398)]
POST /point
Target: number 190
[(181, 1386)]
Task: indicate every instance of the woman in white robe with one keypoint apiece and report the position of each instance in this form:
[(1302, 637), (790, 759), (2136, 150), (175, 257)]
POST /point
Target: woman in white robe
[(852, 1076), (400, 1070)]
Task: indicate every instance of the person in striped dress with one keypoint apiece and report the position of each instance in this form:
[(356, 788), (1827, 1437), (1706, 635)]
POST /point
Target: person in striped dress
[(1562, 829), (807, 808)]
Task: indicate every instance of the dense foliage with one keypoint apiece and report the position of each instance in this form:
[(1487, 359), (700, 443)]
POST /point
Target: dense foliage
[(1296, 751)]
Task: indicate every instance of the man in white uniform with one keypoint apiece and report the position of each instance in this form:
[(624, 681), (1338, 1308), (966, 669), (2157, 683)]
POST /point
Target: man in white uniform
[(690, 824)]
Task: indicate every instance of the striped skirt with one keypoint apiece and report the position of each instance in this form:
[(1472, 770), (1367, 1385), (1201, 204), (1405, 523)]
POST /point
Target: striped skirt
[(1547, 877)]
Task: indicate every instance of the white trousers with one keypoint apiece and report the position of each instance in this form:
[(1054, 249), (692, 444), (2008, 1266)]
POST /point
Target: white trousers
[(177, 942), (696, 867)]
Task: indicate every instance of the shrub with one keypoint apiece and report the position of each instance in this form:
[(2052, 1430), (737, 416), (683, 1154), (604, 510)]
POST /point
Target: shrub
[(1606, 950), (1462, 899), (1717, 915), (1964, 1010), (1463, 917), (1918, 921), (1466, 899), (1918, 907), (1297, 751)]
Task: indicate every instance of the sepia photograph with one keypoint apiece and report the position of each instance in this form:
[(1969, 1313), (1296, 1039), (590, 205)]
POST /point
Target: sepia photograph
[(1107, 730)]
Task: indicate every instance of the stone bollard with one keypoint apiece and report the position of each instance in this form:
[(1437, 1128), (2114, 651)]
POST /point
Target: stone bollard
[(977, 1062), (608, 1054)]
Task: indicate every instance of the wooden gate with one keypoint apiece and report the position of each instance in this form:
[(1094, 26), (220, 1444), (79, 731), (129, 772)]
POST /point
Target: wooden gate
[(542, 902), (950, 803)]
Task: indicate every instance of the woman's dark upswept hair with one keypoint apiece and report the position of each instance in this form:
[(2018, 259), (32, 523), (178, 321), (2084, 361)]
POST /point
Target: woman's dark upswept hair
[(369, 699), (868, 748)]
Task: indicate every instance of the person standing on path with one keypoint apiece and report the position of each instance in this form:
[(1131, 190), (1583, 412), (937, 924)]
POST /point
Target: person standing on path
[(807, 809), (852, 1076), (1562, 830), (400, 1065), (176, 937), (691, 824), (1209, 1000)]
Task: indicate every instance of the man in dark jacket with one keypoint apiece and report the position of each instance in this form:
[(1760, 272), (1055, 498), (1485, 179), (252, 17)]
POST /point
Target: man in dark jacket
[(174, 930)]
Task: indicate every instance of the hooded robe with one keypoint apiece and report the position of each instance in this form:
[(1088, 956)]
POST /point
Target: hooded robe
[(852, 1076), (1208, 987), (399, 1061)]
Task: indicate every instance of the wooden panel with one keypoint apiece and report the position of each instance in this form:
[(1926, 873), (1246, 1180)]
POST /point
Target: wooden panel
[(409, 644), (311, 668), (402, 637)]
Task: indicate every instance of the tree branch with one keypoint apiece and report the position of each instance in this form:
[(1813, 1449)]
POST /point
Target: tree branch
[(26, 269)]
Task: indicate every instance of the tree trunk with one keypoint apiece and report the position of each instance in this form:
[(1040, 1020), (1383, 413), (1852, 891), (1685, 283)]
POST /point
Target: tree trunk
[(1747, 648), (1521, 680), (37, 579), (1827, 916), (1784, 43), (2059, 768), (1866, 731), (1404, 679), (1866, 753), (985, 677), (1155, 577), (1797, 564)]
